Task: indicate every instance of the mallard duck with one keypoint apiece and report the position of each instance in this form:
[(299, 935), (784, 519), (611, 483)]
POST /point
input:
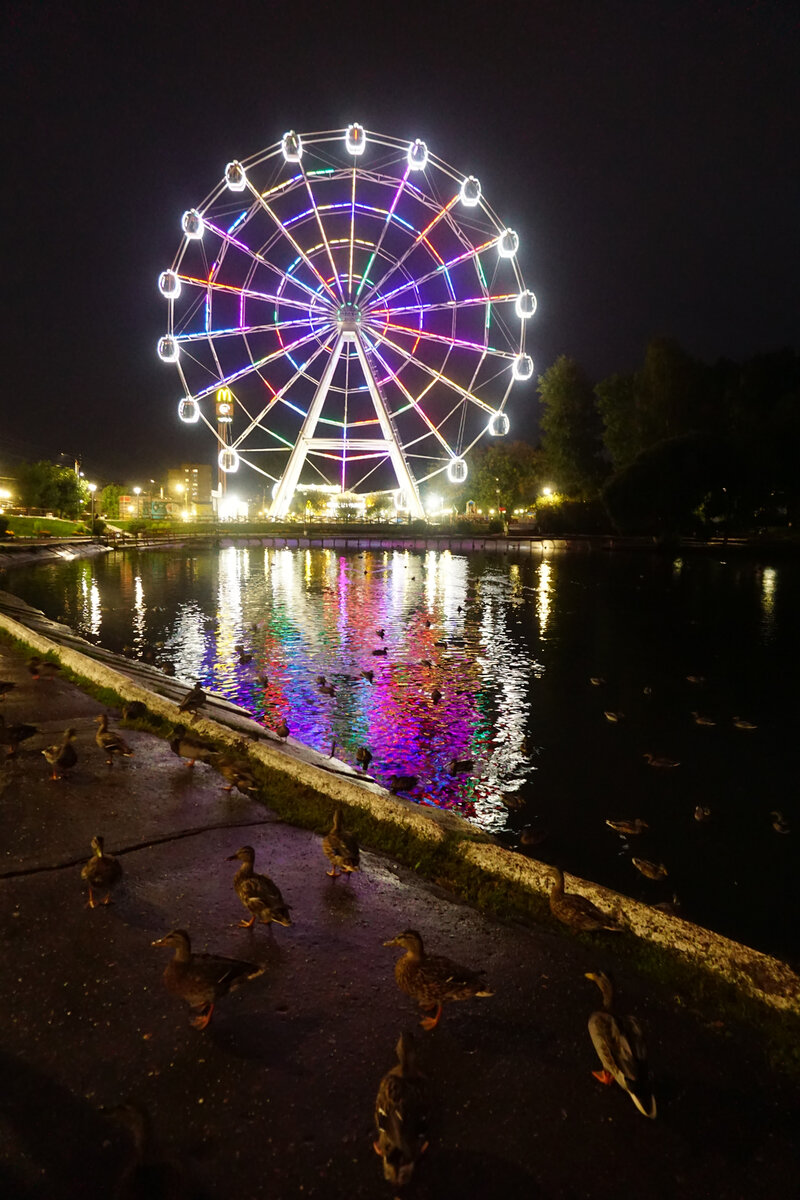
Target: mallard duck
[(621, 1049), (134, 711), (11, 735), (102, 872), (200, 980), (282, 730), (458, 766), (402, 783), (381, 653), (368, 675), (340, 848), (436, 695), (61, 757), (649, 869), (193, 701), (236, 773), (698, 680), (779, 822), (702, 813), (531, 836), (6, 686), (260, 896), (400, 1116), (442, 643), (328, 689), (363, 757), (597, 680), (320, 680), (432, 980), (699, 719), (190, 747), (577, 911), (242, 654), (629, 828), (110, 743), (43, 668), (740, 723), (614, 717), (381, 633), (660, 761)]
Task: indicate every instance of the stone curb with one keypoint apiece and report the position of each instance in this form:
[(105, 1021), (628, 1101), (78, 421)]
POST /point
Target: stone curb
[(766, 979)]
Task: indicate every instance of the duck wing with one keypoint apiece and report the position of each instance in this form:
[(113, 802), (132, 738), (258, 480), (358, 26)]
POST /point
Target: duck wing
[(620, 1047)]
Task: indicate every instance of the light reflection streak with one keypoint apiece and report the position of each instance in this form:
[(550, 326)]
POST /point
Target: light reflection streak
[(543, 596)]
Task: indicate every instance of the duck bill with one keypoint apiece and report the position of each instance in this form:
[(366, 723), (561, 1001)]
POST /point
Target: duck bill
[(392, 942), (159, 942), (231, 857)]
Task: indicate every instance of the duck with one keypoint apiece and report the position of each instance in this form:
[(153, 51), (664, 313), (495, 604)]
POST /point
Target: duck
[(740, 723), (426, 662), (702, 813), (699, 719), (259, 895), (779, 822), (200, 980), (402, 783), (62, 757), (433, 980), (531, 836), (457, 766), (15, 733), (660, 761), (368, 675), (6, 686), (436, 696), (363, 757), (400, 1118), (193, 701), (190, 747), (110, 743), (43, 668), (263, 680), (442, 643), (328, 689), (102, 872), (135, 710), (340, 848), (282, 730), (630, 828), (577, 911), (597, 680), (381, 633), (649, 869), (620, 1047), (243, 656), (236, 773), (321, 679), (380, 653), (697, 680), (614, 717)]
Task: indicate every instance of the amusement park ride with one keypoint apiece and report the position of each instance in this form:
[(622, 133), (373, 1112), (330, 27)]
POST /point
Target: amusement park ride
[(346, 309)]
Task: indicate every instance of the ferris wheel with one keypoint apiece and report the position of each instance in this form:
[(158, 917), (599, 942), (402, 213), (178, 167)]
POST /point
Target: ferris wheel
[(346, 311)]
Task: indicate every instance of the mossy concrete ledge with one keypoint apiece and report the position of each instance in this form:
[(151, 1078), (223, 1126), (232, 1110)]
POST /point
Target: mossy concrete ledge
[(445, 846)]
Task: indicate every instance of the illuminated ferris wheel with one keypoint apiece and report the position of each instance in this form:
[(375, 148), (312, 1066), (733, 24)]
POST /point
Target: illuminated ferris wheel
[(346, 310)]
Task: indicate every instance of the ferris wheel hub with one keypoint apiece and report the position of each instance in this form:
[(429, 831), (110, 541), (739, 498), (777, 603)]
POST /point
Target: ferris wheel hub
[(348, 317)]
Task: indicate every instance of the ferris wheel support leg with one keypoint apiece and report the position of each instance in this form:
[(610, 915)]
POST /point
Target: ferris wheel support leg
[(291, 474), (405, 479)]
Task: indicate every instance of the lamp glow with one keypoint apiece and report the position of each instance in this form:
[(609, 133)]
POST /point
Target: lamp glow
[(189, 410), (228, 460), (235, 176), (169, 285), (525, 306), (193, 224), (499, 425), (168, 349), (523, 367), (470, 193), (417, 155), (457, 470), (292, 146), (355, 139), (508, 243)]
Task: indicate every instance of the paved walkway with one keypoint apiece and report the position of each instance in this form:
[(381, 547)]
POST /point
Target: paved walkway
[(275, 1098)]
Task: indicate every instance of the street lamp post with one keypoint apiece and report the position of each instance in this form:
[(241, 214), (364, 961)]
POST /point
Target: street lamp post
[(92, 489), (137, 491)]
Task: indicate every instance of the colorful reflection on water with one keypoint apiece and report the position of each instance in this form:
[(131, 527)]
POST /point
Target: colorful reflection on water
[(486, 659)]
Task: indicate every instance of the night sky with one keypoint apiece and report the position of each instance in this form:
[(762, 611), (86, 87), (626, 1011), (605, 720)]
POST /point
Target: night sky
[(647, 153)]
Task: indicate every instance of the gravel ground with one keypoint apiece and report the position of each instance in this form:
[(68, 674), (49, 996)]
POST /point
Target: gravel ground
[(275, 1098)]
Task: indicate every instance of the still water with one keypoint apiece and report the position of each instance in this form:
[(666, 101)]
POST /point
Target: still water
[(489, 658)]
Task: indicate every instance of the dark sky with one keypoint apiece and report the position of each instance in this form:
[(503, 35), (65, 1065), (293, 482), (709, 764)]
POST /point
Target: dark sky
[(647, 153)]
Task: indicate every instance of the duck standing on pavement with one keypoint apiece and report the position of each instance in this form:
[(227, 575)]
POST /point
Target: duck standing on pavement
[(400, 1117), (110, 743), (431, 979), (200, 980), (62, 757), (101, 872), (259, 895)]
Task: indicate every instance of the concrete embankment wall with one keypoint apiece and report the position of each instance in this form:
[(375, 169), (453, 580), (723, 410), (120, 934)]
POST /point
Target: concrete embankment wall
[(755, 975)]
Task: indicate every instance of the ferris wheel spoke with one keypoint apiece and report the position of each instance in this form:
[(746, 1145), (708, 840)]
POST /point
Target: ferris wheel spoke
[(446, 340), (280, 394), (254, 256), (445, 305), (293, 243), (444, 267), (386, 224), (246, 330), (432, 428), (451, 383), (323, 235), (256, 365), (251, 293), (409, 249)]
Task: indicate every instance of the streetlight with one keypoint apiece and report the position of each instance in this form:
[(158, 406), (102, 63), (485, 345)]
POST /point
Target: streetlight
[(137, 491), (92, 488)]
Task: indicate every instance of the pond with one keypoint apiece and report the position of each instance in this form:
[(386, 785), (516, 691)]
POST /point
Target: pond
[(436, 660)]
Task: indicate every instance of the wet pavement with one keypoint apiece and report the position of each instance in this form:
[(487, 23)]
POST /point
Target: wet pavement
[(275, 1099)]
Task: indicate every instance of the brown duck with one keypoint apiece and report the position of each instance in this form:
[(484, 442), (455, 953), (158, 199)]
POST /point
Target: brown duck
[(61, 757), (236, 773), (200, 980), (260, 896), (576, 911), (110, 743), (432, 980), (400, 1116), (101, 872), (190, 747), (340, 848)]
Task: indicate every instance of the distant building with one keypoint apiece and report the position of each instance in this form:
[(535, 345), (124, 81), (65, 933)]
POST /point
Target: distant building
[(189, 486)]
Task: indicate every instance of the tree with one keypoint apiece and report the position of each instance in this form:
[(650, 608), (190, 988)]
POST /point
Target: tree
[(616, 403), (571, 430), (46, 485), (109, 500), (507, 475)]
